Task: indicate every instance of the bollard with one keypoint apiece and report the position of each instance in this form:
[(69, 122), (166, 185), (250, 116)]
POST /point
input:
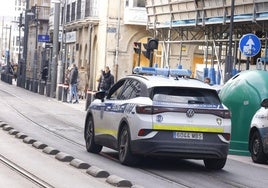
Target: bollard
[(42, 87), (65, 93), (27, 84), (35, 86), (9, 78), (59, 92), (48, 86)]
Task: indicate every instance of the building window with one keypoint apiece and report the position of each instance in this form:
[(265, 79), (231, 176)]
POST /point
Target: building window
[(138, 3), (73, 12), (91, 9), (68, 14), (78, 10)]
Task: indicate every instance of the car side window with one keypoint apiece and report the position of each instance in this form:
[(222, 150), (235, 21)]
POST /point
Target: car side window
[(131, 90), (116, 90)]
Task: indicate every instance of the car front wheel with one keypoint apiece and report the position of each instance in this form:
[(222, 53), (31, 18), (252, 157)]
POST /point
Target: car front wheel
[(214, 164), (125, 155), (89, 137), (256, 149)]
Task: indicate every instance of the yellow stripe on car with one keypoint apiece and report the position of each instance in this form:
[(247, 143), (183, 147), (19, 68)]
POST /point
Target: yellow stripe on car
[(106, 131), (188, 128)]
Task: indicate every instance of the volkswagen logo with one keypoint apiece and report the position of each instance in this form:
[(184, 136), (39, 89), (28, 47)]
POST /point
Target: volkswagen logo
[(159, 118), (190, 113)]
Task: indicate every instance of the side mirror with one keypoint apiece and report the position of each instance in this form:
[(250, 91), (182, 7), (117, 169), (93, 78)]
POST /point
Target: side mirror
[(100, 95), (264, 103)]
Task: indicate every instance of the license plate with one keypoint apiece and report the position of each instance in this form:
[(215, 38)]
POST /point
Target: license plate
[(188, 135)]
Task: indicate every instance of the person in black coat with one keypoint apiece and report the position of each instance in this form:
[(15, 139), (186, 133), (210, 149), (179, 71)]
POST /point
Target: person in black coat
[(107, 80)]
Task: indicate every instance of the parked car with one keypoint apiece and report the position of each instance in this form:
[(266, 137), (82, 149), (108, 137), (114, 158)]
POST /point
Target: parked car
[(258, 135), (166, 115)]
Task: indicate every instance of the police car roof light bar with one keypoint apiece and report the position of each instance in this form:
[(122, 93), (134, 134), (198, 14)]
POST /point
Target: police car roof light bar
[(162, 71)]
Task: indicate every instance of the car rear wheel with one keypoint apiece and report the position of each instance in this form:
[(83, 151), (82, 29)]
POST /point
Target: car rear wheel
[(214, 164), (256, 149), (89, 137), (125, 155)]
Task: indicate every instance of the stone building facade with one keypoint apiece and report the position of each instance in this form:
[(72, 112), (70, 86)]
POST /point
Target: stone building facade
[(101, 33)]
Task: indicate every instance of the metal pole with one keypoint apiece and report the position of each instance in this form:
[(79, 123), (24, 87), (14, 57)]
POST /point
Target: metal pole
[(9, 46), (117, 39), (265, 56), (60, 74), (19, 56), (25, 47), (55, 50), (228, 62), (35, 82)]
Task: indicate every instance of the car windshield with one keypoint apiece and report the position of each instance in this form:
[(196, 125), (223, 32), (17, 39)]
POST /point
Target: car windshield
[(179, 95)]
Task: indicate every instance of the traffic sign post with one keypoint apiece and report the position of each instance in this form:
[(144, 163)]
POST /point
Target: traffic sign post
[(250, 45)]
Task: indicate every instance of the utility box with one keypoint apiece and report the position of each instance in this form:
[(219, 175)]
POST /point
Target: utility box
[(242, 94)]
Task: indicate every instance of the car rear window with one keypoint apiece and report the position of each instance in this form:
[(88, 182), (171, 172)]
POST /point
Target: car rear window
[(185, 95)]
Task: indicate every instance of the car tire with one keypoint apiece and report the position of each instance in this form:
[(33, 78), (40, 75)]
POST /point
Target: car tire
[(125, 155), (91, 146), (256, 149), (214, 164)]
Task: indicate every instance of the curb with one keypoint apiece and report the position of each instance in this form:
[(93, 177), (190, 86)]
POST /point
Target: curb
[(64, 157)]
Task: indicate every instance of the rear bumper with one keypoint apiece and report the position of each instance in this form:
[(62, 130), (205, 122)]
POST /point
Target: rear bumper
[(163, 144)]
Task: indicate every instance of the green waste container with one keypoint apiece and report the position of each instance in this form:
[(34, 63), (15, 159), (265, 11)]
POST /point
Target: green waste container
[(242, 94)]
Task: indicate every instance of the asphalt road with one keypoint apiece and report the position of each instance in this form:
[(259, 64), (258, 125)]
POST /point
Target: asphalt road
[(60, 125)]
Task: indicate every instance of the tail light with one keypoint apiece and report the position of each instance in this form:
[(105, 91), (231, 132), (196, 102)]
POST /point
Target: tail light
[(144, 132), (226, 114), (144, 109), (151, 110), (227, 136)]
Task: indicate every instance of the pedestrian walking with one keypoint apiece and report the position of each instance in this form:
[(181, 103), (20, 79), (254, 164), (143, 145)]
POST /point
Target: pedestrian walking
[(73, 84), (107, 80)]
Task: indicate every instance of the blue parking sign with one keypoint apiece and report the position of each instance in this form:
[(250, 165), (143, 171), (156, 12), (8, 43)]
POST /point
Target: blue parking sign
[(43, 38), (250, 45)]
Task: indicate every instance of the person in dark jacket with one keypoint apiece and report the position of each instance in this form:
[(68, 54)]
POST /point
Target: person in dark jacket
[(107, 80), (73, 77)]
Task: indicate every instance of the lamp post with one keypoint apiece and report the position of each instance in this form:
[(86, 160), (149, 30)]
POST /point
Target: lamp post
[(19, 70), (7, 68), (34, 76), (229, 61), (61, 62), (24, 81), (55, 49)]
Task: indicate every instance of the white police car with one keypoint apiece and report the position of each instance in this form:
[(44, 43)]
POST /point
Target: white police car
[(168, 115), (258, 135)]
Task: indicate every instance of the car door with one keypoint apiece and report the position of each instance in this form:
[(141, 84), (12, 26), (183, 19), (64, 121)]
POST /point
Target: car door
[(109, 113), (116, 103)]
